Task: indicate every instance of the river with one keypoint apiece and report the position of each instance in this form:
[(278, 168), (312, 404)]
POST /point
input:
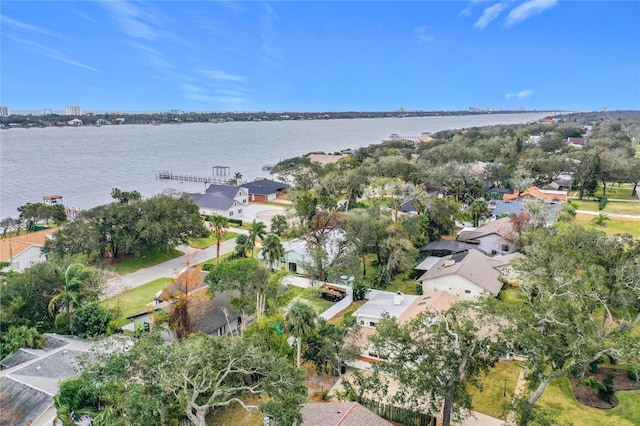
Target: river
[(83, 164)]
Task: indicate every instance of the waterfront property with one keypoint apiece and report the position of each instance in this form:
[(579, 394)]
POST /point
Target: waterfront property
[(24, 250), (223, 200), (264, 190)]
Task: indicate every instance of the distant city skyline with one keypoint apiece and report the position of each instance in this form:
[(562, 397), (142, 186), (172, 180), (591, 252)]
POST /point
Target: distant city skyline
[(155, 56)]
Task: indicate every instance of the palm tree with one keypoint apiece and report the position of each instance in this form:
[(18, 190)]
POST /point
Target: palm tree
[(300, 322), (237, 178), (242, 245), (74, 292), (279, 224), (219, 224), (479, 208), (601, 219), (272, 249), (258, 231)]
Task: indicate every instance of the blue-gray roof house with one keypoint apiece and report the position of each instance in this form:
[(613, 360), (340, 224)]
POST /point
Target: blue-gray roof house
[(223, 200), (263, 190)]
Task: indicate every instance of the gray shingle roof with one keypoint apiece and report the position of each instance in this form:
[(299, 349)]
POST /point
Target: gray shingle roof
[(21, 404), (17, 358), (226, 191), (212, 201), (473, 266), (445, 247), (264, 186)]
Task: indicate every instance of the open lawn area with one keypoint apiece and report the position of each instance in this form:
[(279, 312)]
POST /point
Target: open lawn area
[(618, 207), (613, 226), (620, 192), (132, 264), (311, 295), (203, 243), (559, 401), (134, 300), (491, 399)]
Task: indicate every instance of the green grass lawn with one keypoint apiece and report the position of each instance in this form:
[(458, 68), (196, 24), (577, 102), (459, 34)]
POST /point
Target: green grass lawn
[(559, 401), (311, 295), (620, 192), (202, 243), (134, 300), (614, 225), (404, 285), (618, 207), (133, 264), (490, 399)]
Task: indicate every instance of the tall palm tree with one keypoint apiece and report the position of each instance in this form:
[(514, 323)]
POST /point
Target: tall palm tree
[(300, 322), (279, 224), (258, 231), (272, 249), (237, 178), (74, 292), (219, 224), (242, 245)]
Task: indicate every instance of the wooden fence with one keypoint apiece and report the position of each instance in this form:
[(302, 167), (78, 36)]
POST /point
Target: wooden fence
[(397, 414)]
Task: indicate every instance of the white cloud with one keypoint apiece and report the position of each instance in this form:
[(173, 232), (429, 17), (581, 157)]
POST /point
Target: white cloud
[(423, 34), (527, 10), (52, 53), (220, 75), (489, 14), (133, 20), (270, 46), (466, 11), (523, 94), (23, 27)]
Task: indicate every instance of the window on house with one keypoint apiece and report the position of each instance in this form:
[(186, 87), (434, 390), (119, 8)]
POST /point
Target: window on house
[(372, 324), (239, 211), (293, 267), (505, 247), (230, 213), (467, 291)]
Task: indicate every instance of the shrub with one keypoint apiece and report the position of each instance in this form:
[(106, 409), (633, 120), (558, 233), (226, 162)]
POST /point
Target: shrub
[(91, 320), (594, 365), (602, 203), (606, 391), (632, 373), (348, 320)]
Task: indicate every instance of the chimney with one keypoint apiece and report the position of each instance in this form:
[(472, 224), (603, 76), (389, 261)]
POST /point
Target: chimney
[(397, 298)]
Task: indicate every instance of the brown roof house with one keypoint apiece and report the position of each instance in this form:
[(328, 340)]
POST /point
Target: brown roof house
[(24, 250), (466, 275), (495, 237), (535, 193), (339, 414)]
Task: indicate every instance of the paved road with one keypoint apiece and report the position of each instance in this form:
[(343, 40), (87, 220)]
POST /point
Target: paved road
[(618, 215), (168, 269)]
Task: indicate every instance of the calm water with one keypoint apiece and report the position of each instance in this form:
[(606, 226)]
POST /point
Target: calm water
[(83, 164)]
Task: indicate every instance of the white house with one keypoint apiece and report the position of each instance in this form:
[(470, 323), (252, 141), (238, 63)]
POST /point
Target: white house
[(296, 252), (224, 200), (465, 275), (24, 250), (495, 237)]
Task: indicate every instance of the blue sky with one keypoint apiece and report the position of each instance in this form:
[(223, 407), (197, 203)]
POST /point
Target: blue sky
[(319, 56)]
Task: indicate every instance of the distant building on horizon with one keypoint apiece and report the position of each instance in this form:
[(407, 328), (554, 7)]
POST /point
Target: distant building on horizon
[(72, 110), (4, 111), (46, 111)]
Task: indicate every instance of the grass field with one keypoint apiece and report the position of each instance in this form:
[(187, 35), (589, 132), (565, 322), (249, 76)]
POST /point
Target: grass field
[(614, 225), (203, 243), (559, 401), (134, 300), (617, 207), (133, 264), (490, 399), (620, 192)]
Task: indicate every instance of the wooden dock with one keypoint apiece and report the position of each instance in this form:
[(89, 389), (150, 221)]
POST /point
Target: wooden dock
[(185, 178), (219, 180)]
